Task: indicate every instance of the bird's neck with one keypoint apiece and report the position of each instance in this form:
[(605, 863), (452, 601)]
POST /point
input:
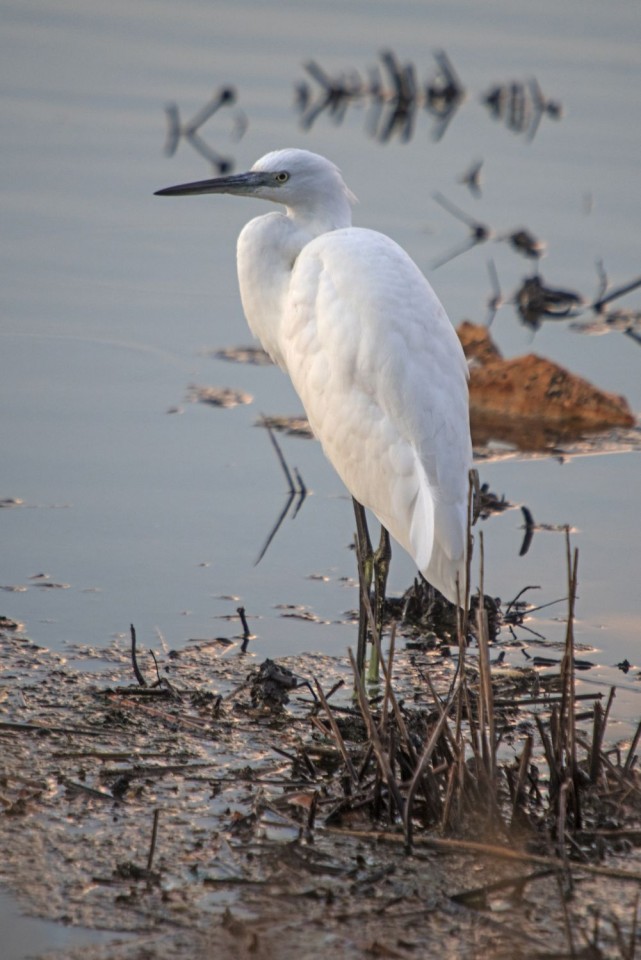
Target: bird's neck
[(267, 250), (315, 220)]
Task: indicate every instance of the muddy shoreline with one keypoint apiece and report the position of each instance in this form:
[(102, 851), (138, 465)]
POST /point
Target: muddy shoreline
[(249, 856)]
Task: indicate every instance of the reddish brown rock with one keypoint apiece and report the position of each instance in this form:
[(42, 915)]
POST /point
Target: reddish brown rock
[(530, 401)]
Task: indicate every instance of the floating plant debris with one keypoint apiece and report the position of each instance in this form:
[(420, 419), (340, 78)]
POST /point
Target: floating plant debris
[(252, 355), (223, 397), (292, 426)]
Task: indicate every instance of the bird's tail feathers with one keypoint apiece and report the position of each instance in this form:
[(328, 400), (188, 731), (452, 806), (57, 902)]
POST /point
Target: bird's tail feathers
[(422, 526)]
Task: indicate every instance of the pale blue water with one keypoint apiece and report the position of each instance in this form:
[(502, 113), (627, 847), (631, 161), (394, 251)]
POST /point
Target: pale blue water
[(109, 296), (24, 937)]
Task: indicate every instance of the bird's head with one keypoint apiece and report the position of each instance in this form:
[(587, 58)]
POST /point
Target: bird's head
[(310, 186)]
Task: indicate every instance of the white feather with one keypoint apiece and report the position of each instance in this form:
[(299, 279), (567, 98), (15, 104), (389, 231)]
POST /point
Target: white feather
[(369, 349)]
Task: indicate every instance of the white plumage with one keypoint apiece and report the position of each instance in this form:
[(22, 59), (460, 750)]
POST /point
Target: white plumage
[(369, 349)]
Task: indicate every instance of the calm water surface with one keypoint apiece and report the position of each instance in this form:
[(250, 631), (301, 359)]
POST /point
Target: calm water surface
[(111, 297)]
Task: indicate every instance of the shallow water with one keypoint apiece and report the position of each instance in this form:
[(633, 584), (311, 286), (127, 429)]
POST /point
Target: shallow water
[(24, 936), (110, 296)]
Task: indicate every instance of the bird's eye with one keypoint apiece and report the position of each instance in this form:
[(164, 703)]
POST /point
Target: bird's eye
[(282, 177)]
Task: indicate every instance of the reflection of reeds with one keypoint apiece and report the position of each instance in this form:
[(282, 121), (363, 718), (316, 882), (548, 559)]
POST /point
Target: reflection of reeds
[(394, 94)]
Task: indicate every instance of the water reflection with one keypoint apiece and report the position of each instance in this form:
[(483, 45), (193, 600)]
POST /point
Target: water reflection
[(392, 91), (189, 130), (394, 95), (624, 320), (521, 240), (521, 106), (495, 300), (479, 232), (527, 405), (536, 301), (147, 498), (530, 527), (472, 178), (296, 493)]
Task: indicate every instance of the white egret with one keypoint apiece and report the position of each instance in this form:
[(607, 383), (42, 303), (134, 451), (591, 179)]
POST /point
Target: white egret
[(369, 349)]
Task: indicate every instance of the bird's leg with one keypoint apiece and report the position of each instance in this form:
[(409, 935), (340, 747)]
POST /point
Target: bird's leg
[(365, 561), (371, 566), (381, 562)]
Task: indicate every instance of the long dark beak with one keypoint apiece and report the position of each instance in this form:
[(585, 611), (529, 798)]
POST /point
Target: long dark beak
[(239, 183)]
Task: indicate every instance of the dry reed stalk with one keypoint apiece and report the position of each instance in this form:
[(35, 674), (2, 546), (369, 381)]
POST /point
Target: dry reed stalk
[(446, 845), (550, 756), (421, 767), (630, 758), (518, 799), (382, 758), (338, 737), (449, 795), (567, 756), (486, 719), (561, 819), (389, 696), (598, 733), (462, 609), (387, 674)]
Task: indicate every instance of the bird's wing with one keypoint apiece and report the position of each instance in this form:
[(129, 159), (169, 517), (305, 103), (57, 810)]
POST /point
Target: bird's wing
[(382, 377)]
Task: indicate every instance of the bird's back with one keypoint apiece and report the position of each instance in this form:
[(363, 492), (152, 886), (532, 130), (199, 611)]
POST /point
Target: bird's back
[(382, 377)]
